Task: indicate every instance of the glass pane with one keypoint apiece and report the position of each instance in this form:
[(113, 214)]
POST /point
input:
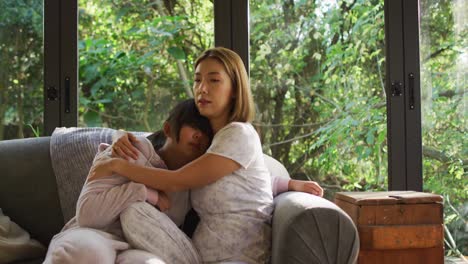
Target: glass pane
[(21, 73), (136, 59), (317, 71), (444, 69)]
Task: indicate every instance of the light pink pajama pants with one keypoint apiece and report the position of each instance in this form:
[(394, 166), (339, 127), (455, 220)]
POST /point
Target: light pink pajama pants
[(157, 239), (87, 245)]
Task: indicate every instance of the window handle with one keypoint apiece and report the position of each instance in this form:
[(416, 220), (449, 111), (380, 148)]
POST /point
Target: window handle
[(67, 94), (411, 90)]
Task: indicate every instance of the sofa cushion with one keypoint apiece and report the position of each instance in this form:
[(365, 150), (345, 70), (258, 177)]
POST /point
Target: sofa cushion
[(275, 167)]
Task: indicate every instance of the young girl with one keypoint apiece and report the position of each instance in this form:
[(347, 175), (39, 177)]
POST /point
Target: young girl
[(95, 235), (231, 185)]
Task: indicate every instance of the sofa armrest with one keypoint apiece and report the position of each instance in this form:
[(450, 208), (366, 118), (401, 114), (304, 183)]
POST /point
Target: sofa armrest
[(310, 229)]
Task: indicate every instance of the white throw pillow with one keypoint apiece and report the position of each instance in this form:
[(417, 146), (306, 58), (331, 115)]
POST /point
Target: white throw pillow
[(15, 242)]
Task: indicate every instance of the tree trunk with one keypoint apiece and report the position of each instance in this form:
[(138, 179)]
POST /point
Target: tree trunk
[(2, 114), (3, 102), (148, 101), (20, 112), (162, 7)]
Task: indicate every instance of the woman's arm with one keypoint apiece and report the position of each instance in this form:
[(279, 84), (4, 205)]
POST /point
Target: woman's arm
[(205, 170)]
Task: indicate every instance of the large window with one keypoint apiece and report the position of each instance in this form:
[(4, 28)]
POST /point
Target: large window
[(136, 59), (444, 70), (21, 73), (318, 75)]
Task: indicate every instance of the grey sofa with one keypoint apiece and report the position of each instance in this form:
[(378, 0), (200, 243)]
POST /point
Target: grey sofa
[(306, 229)]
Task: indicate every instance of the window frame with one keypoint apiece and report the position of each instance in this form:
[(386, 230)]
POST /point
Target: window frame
[(60, 64), (403, 120), (231, 18)]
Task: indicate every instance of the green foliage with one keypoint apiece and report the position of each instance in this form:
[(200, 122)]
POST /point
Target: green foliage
[(318, 74), (456, 239), (136, 60), (327, 85), (36, 131), (21, 61)]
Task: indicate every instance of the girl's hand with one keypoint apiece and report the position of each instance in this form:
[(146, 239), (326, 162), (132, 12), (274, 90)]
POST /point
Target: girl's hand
[(102, 167), (305, 186), (122, 145), (163, 202), (158, 199)]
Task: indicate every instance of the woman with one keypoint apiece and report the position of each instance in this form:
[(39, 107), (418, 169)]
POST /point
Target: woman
[(231, 185)]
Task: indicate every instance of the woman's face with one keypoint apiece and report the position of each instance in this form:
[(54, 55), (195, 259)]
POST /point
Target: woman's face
[(213, 90)]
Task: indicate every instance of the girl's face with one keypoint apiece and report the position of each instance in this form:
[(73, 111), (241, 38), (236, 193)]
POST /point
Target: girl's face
[(213, 90), (192, 143)]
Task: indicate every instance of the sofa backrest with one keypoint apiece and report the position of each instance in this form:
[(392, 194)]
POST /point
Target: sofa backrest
[(28, 190)]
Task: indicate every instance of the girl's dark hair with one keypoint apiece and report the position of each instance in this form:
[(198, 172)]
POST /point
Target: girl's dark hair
[(184, 113)]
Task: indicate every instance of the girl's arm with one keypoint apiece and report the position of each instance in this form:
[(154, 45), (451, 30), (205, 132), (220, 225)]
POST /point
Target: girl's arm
[(305, 186), (283, 184), (205, 170), (101, 202), (99, 206), (279, 184)]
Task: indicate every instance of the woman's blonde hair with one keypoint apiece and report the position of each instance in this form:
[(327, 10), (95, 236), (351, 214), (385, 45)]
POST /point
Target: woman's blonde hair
[(243, 109)]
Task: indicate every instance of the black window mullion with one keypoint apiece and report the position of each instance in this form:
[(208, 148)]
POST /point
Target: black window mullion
[(232, 26), (60, 64), (51, 65), (222, 20), (69, 63), (240, 30), (395, 87), (412, 95)]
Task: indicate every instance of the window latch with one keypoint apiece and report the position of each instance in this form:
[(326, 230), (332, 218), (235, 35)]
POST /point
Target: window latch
[(397, 88), (52, 93)]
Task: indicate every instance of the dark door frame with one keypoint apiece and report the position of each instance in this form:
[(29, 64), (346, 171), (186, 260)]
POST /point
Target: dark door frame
[(403, 95), (60, 64)]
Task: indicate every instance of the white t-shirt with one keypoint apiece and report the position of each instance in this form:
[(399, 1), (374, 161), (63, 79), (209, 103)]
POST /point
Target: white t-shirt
[(235, 211)]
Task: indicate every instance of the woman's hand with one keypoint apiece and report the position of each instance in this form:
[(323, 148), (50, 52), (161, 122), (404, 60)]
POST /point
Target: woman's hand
[(122, 145), (102, 167), (305, 186)]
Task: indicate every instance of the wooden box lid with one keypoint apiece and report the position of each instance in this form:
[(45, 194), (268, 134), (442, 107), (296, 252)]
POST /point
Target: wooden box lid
[(391, 197)]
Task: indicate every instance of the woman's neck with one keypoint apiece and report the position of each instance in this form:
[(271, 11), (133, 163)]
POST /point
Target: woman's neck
[(218, 123)]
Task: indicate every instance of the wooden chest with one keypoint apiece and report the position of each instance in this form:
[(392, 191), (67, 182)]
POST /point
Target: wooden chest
[(397, 226)]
